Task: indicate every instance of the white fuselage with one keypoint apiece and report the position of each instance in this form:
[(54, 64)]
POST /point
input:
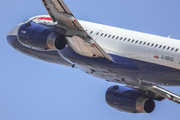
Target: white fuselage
[(135, 45)]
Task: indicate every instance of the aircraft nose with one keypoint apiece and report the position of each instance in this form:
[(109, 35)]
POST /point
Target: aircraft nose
[(12, 35)]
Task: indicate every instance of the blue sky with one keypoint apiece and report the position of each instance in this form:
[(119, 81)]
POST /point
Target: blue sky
[(31, 89)]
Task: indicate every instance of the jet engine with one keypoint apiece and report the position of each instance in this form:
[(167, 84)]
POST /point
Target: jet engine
[(40, 37), (128, 100)]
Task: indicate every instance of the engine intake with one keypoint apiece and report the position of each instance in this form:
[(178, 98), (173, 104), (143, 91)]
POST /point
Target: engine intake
[(40, 37), (128, 100)]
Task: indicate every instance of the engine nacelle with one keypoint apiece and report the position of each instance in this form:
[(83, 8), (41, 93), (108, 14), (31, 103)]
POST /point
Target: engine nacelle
[(40, 37), (128, 100)]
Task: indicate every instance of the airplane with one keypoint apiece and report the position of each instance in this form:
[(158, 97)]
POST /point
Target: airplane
[(141, 61)]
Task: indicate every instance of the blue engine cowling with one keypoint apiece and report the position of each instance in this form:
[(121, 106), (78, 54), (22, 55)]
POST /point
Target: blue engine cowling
[(128, 100), (40, 37)]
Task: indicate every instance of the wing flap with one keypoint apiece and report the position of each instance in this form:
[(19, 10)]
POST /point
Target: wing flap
[(87, 47)]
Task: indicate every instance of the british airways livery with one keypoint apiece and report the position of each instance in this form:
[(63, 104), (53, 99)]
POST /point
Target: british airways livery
[(143, 62)]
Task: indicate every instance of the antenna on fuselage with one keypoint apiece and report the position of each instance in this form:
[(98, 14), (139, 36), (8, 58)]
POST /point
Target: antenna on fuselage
[(169, 36)]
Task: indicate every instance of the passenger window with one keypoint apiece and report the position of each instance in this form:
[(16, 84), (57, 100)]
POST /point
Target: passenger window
[(136, 41), (91, 32), (109, 36), (152, 45), (168, 48), (105, 35), (129, 40), (164, 47), (124, 39), (156, 45), (113, 37), (132, 41), (102, 34), (172, 49), (121, 38), (144, 43), (97, 33), (117, 37), (140, 42), (176, 50), (160, 46), (148, 44)]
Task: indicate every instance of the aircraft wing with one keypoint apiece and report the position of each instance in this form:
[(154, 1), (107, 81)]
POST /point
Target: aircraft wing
[(157, 93), (79, 40), (165, 93)]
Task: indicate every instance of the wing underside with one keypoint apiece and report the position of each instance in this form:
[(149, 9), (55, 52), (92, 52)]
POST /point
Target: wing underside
[(165, 93), (79, 40), (157, 93)]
